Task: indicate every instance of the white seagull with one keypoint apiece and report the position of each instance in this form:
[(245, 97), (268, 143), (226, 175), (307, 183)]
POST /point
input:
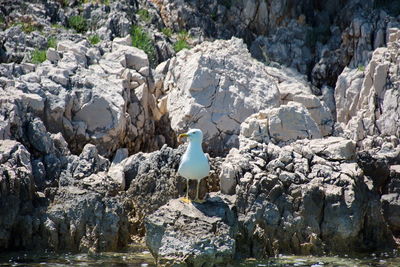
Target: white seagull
[(194, 163)]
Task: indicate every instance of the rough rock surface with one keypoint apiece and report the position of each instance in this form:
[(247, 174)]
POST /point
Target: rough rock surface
[(285, 124), (82, 213), (193, 234), (88, 96), (16, 191), (75, 130), (216, 86), (152, 180), (367, 103), (307, 197)]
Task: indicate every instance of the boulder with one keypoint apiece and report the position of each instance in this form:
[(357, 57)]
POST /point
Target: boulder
[(193, 234), (214, 87), (287, 123)]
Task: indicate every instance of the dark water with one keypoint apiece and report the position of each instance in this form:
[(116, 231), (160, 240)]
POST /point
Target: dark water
[(139, 256)]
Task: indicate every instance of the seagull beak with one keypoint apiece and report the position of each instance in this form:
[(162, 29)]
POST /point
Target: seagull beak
[(181, 136)]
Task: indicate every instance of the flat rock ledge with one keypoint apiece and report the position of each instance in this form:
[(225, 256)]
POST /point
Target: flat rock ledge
[(193, 234)]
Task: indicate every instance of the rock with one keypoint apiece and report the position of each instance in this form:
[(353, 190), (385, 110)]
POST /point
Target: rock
[(96, 222), (129, 56), (286, 46), (39, 138), (334, 148), (279, 125), (52, 55), (391, 206), (16, 194), (151, 181), (215, 87), (85, 104), (309, 196), (371, 107), (193, 234)]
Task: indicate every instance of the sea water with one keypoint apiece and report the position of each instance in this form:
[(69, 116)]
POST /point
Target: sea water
[(137, 255)]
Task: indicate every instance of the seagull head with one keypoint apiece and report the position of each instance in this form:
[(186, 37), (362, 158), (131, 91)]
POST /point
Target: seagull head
[(194, 135)]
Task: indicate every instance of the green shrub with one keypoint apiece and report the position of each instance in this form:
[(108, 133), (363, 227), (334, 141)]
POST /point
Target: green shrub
[(144, 15), (94, 39), (141, 40), (182, 41), (52, 42), (361, 67), (167, 32), (38, 56), (78, 23), (179, 45)]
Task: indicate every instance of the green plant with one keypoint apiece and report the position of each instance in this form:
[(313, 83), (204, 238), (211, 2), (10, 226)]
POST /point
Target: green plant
[(144, 15), (38, 56), (2, 19), (94, 39), (179, 45), (361, 67), (141, 40), (78, 23), (167, 32), (182, 41), (52, 42)]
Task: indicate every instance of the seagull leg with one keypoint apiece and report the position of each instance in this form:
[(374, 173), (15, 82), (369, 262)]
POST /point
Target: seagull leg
[(186, 199), (197, 193)]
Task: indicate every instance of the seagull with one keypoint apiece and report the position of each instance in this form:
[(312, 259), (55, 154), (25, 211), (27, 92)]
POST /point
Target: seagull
[(194, 163)]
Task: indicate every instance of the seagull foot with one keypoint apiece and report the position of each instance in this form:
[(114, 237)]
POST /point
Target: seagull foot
[(185, 200), (199, 201)]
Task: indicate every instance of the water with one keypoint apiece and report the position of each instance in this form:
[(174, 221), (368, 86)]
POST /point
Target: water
[(137, 255)]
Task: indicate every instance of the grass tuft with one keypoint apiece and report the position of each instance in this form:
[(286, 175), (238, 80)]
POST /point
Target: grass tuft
[(52, 42), (78, 23), (38, 56), (141, 40), (182, 41), (167, 32), (94, 39), (144, 15)]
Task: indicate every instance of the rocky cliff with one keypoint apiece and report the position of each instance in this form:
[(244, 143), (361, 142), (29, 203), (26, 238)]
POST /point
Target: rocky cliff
[(298, 102)]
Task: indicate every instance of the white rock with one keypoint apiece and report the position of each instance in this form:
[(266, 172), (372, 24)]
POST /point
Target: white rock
[(368, 104), (334, 148), (131, 57), (214, 87), (52, 55), (287, 123)]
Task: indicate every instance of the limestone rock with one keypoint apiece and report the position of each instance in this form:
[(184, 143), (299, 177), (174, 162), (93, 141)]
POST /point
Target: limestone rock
[(279, 125), (215, 87), (96, 101), (193, 234), (310, 196), (16, 195), (371, 108)]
